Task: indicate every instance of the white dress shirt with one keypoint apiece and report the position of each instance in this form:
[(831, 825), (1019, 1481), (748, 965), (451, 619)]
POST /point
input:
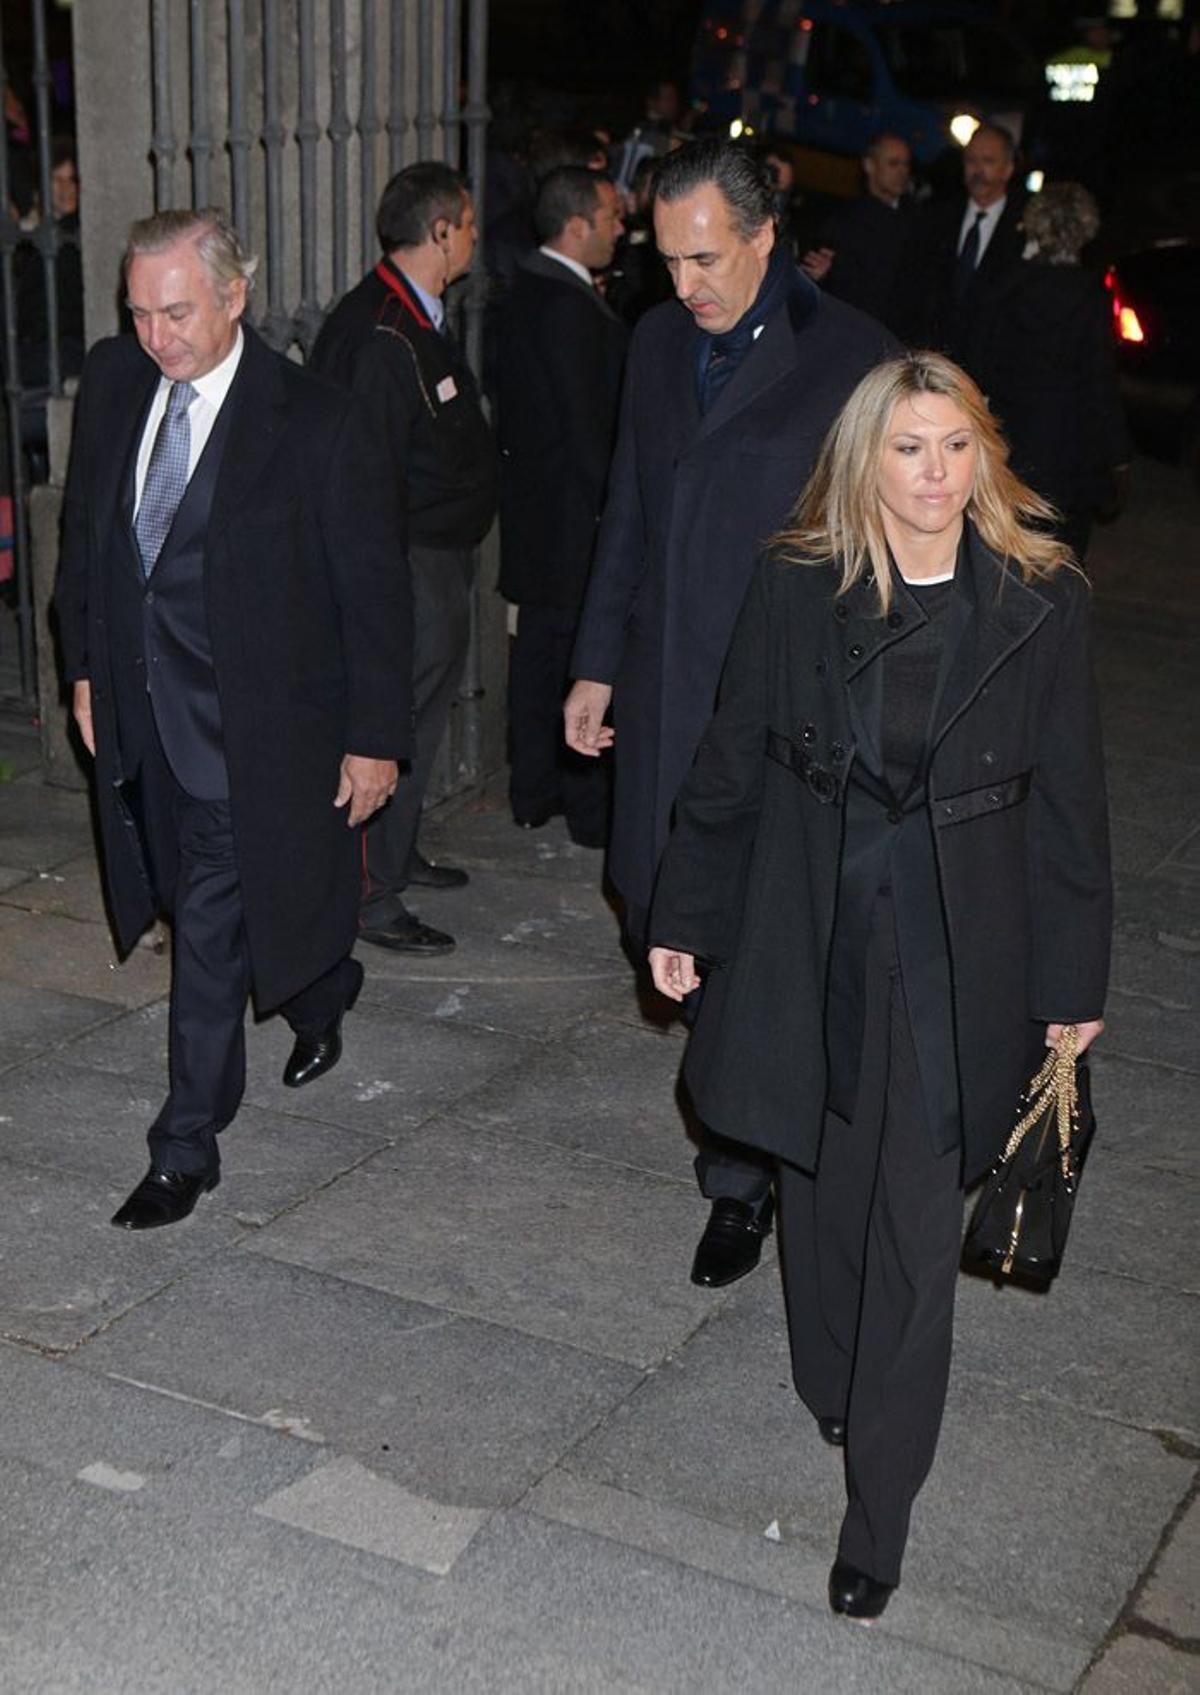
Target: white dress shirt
[(581, 271), (991, 217), (211, 390)]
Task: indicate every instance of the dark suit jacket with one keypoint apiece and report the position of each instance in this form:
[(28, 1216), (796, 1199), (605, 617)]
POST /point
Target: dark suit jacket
[(877, 265), (309, 619), (960, 329), (1014, 814), (691, 501), (562, 350)]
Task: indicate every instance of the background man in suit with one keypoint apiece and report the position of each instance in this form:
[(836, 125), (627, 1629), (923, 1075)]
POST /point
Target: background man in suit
[(389, 341), (867, 251), (561, 354), (973, 245), (236, 628), (728, 394)]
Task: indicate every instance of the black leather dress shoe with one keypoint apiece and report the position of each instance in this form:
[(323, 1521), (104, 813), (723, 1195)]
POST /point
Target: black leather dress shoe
[(312, 1056), (833, 1431), (407, 934), (855, 1595), (427, 875), (163, 1197), (732, 1242)]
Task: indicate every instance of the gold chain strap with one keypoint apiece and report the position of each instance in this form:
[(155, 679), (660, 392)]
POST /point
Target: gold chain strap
[(1054, 1086)]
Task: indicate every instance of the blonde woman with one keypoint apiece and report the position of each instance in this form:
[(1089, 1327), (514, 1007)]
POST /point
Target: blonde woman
[(889, 873)]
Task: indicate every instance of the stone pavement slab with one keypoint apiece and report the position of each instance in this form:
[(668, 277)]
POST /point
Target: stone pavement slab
[(464, 1412), (1133, 1221), (571, 1248), (35, 1020), (1139, 1665), (1145, 1114), (603, 1089), (1094, 1343), (1171, 1597), (482, 835), (94, 1124), (395, 1071), (73, 958), (40, 827), (71, 890), (65, 1272)]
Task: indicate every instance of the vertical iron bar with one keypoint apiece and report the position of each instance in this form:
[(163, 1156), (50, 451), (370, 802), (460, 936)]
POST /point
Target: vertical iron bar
[(163, 139), (308, 133), (339, 135), (277, 322), (46, 235), (397, 121), (452, 73), (426, 117), (368, 131), (201, 140), (239, 132), (476, 119), (10, 235)]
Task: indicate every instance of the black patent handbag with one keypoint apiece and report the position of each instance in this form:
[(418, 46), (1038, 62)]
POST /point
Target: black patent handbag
[(1023, 1213)]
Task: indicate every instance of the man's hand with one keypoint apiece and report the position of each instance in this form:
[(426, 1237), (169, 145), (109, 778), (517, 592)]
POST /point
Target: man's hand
[(583, 718), (1086, 1034), (674, 973), (817, 262), (81, 709), (366, 784)]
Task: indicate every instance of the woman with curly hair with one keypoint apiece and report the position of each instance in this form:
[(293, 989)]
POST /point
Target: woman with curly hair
[(889, 872)]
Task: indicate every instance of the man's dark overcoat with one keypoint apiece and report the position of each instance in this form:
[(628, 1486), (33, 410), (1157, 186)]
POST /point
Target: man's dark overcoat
[(562, 351), (691, 501), (1015, 802), (310, 622)]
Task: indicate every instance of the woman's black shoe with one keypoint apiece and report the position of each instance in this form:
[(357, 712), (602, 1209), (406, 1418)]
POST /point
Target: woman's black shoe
[(855, 1595), (833, 1431)]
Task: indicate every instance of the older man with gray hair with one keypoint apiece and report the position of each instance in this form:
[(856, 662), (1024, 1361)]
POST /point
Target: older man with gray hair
[(237, 637)]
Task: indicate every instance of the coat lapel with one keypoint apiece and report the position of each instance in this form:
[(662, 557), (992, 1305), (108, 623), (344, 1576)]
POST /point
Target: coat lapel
[(553, 272), (115, 480), (259, 411), (771, 360), (1001, 615)]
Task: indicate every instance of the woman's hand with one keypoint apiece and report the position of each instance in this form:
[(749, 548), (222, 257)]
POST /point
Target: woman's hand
[(1086, 1034), (674, 973)]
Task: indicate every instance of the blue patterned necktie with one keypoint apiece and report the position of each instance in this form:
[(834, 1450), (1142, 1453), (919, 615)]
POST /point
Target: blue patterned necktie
[(166, 476)]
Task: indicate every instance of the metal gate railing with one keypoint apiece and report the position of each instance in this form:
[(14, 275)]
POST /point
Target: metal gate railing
[(297, 113), (33, 363)]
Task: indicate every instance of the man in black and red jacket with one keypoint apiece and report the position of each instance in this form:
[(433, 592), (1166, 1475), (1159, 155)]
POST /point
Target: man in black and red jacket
[(388, 340)]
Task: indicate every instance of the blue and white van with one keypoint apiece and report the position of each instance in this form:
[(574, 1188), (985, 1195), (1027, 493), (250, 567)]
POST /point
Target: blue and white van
[(829, 75)]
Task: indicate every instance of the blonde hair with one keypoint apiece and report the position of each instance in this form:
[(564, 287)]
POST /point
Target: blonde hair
[(838, 516)]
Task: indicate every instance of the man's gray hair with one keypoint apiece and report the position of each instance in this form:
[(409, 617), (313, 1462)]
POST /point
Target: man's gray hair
[(215, 238)]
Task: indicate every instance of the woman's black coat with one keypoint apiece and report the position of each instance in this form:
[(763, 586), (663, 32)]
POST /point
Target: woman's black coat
[(1016, 805)]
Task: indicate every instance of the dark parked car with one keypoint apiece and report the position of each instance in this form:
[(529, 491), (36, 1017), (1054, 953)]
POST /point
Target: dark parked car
[(1155, 296)]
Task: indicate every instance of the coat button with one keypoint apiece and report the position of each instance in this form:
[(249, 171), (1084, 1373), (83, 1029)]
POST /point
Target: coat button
[(809, 733), (149, 597), (856, 651), (989, 758), (822, 667), (841, 611), (837, 751), (893, 816), (894, 620), (947, 812), (993, 799)]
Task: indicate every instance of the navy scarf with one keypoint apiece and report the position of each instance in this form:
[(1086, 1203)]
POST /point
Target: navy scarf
[(719, 356)]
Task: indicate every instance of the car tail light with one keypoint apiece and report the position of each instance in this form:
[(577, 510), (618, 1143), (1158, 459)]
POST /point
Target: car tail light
[(1126, 322)]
